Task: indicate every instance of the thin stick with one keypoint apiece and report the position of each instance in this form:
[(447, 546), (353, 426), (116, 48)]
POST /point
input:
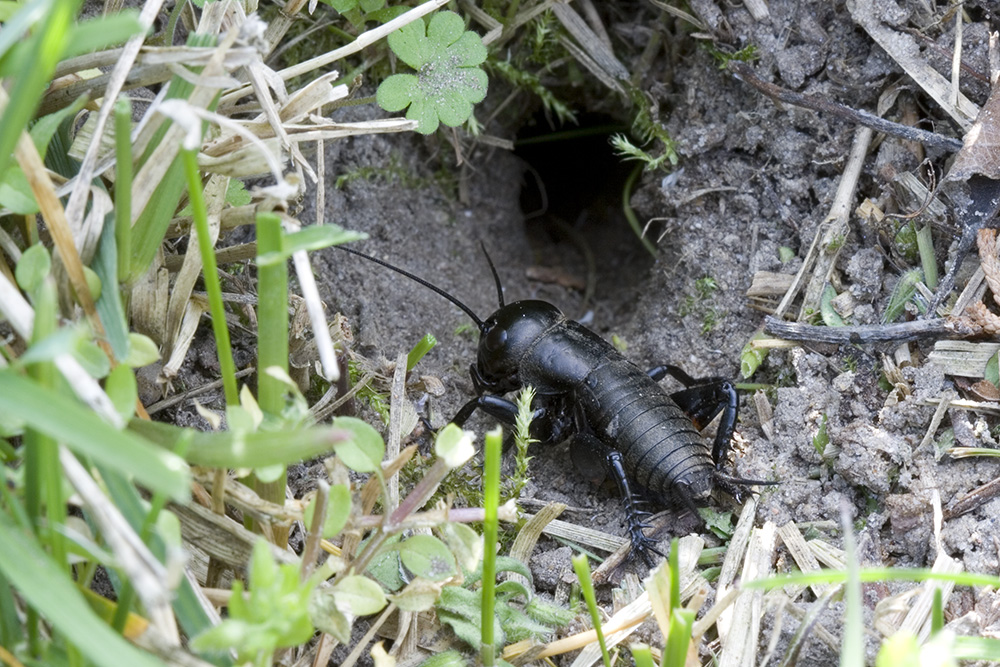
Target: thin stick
[(828, 107), (863, 335)]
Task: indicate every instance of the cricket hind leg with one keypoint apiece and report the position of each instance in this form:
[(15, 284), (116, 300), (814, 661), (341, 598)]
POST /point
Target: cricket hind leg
[(703, 399)]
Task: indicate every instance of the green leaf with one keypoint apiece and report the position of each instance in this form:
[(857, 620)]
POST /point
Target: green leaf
[(338, 509), (675, 652), (364, 451), (34, 266), (750, 357), (504, 564), (269, 474), (109, 305), (142, 351), (448, 80), (225, 449), (904, 290), (359, 594), (342, 6), (315, 237), (465, 544), (121, 388), (454, 446), (419, 595), (92, 358), (86, 434), (16, 194), (993, 369), (102, 32), (450, 658), (49, 22), (513, 589), (328, 617), (276, 614), (409, 43), (460, 609), (831, 317), (48, 589), (719, 522), (236, 193), (426, 556), (46, 126), (397, 91)]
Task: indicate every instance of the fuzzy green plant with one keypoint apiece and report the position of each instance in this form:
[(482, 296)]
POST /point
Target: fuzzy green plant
[(448, 79), (274, 615), (522, 441)]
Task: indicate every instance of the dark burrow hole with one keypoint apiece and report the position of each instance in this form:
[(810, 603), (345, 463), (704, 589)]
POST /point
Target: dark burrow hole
[(572, 200)]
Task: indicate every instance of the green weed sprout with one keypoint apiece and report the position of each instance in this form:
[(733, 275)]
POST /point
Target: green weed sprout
[(275, 615), (448, 80)]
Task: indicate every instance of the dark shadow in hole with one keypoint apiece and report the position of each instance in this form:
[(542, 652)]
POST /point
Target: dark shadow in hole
[(572, 200)]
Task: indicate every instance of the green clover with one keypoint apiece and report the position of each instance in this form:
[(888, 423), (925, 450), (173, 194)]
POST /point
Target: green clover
[(448, 80)]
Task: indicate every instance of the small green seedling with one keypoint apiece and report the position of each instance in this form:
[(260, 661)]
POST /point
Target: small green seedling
[(275, 614), (448, 80)]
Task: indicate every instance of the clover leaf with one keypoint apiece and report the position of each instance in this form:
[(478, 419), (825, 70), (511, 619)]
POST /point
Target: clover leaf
[(448, 80)]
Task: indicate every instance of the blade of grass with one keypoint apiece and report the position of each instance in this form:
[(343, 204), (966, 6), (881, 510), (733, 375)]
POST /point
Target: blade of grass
[(582, 567), (159, 163), (868, 575), (24, 565), (633, 221), (928, 262), (491, 502), (123, 185), (852, 650), (425, 345), (679, 640), (50, 475), (211, 274), (225, 449), (272, 346), (272, 316), (109, 305), (52, 20), (192, 617), (86, 434)]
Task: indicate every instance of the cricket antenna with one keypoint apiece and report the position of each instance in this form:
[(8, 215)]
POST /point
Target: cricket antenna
[(496, 278), (428, 285)]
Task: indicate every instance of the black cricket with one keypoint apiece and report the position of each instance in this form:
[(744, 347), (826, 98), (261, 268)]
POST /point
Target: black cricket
[(617, 413)]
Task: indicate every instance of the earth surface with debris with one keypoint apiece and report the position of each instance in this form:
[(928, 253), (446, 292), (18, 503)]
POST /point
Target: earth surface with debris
[(752, 191)]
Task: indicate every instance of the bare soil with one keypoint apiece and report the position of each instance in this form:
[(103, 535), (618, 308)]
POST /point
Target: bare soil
[(753, 177)]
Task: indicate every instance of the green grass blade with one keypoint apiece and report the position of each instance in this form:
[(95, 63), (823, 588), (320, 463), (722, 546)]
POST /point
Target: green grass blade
[(85, 433), (210, 272), (190, 614), (977, 648), (26, 566), (928, 261), (226, 449), (868, 575), (491, 503), (152, 222), (272, 346), (123, 185), (19, 24), (852, 650), (109, 305), (423, 346), (582, 567), (676, 651), (46, 47), (10, 625), (272, 316)]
